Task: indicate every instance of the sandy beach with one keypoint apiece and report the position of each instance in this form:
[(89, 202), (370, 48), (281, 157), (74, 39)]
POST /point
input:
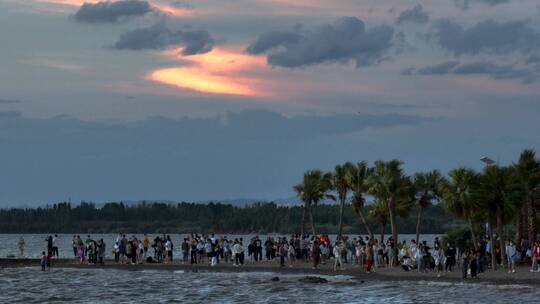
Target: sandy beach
[(500, 277)]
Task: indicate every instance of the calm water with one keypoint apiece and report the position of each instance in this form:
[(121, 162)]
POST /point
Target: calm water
[(35, 243), (30, 285)]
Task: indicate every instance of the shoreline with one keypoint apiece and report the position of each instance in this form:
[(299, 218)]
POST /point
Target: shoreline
[(396, 274)]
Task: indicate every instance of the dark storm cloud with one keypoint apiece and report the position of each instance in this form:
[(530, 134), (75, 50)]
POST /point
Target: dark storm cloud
[(414, 15), (488, 36), (488, 68), (111, 11), (269, 40), (346, 39), (160, 37)]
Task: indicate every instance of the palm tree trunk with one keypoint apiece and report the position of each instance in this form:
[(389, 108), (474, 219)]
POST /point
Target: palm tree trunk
[(381, 240), (493, 257), (501, 238), (363, 220), (524, 221), (473, 235), (519, 224), (303, 220), (340, 224), (393, 221), (418, 224), (531, 219), (311, 221)]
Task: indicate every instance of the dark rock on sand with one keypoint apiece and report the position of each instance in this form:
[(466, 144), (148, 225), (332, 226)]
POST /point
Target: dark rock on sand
[(313, 280)]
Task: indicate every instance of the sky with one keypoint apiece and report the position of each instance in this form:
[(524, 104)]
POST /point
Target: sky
[(201, 100)]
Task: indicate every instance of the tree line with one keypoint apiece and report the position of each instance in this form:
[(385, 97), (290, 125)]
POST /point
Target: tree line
[(499, 196), (152, 217)]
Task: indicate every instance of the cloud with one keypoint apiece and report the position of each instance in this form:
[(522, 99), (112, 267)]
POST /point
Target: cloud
[(465, 4), (438, 69), (269, 40), (488, 68), (9, 101), (346, 39), (160, 37), (488, 36), (414, 15), (110, 12), (497, 71)]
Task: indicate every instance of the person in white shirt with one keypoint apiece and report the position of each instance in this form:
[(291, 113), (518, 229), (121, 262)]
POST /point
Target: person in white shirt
[(168, 249), (511, 255), (55, 246), (338, 249), (237, 250)]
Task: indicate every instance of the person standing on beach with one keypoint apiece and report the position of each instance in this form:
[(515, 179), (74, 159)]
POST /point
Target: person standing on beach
[(315, 254), (146, 244), (49, 241), (185, 251), (369, 257), (55, 246), (21, 244), (438, 259), (473, 263), (101, 251), (535, 255), (193, 251), (464, 264), (450, 254), (122, 248), (238, 250), (74, 244), (282, 252), (116, 252), (168, 249), (43, 261), (291, 253), (511, 256), (338, 248)]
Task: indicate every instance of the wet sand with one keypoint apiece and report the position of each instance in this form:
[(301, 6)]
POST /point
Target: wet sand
[(500, 277)]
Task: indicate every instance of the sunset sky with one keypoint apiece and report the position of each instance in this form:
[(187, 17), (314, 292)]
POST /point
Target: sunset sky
[(226, 99)]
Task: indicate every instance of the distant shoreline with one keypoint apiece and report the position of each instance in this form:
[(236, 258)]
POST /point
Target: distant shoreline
[(501, 277)]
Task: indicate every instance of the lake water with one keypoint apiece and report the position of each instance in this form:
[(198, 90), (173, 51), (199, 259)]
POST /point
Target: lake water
[(35, 243), (30, 285)]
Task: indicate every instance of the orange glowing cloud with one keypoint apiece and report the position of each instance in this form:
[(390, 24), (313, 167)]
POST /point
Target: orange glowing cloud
[(220, 71), (171, 10)]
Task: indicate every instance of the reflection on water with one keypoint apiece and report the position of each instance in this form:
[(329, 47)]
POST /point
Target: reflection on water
[(30, 285)]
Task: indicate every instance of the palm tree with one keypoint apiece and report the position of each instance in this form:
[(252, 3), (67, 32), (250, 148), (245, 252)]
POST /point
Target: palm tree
[(528, 169), (358, 176), (457, 196), (314, 187), (390, 185), (379, 213), (340, 184), (427, 185), (500, 194)]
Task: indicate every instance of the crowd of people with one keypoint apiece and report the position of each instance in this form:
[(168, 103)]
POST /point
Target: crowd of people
[(363, 252)]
